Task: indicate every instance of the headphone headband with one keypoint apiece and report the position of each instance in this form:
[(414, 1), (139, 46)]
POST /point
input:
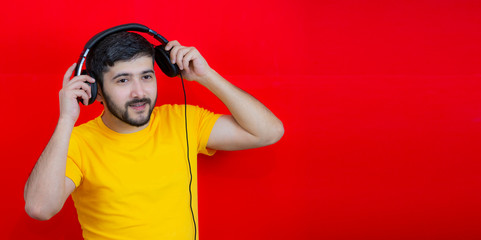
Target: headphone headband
[(161, 56), (121, 28)]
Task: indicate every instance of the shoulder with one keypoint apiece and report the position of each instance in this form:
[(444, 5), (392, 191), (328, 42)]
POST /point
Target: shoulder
[(86, 130), (176, 114), (177, 109)]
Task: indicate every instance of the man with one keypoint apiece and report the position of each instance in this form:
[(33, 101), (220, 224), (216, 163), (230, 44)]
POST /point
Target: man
[(127, 169)]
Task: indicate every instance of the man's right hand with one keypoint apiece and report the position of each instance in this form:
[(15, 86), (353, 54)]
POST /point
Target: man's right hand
[(73, 89)]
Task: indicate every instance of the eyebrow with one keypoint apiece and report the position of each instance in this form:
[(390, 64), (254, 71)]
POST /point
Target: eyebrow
[(124, 74)]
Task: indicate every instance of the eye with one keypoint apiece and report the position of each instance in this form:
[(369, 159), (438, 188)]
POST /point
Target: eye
[(146, 77), (123, 80)]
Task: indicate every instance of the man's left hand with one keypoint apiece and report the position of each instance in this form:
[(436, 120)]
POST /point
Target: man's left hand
[(193, 66)]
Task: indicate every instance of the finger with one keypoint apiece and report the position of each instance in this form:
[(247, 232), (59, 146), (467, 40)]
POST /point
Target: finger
[(78, 84), (171, 44), (180, 56), (82, 86), (83, 95), (189, 56), (173, 53), (67, 75), (81, 78)]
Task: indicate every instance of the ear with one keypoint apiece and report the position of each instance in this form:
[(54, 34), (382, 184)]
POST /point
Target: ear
[(100, 95)]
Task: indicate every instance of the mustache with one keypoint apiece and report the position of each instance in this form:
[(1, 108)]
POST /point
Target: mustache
[(141, 100)]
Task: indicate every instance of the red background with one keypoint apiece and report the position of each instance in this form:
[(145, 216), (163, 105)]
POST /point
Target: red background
[(380, 101)]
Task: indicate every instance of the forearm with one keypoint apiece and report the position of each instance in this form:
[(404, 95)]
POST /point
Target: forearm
[(251, 124), (248, 112), (45, 187)]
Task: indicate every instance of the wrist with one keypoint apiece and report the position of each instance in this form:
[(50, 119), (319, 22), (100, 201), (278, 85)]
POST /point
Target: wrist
[(210, 75), (66, 121)]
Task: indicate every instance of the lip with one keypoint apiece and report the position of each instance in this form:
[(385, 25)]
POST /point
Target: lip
[(139, 106)]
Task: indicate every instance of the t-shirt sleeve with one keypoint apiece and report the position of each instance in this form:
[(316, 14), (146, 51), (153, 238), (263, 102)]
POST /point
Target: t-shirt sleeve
[(72, 170), (205, 120)]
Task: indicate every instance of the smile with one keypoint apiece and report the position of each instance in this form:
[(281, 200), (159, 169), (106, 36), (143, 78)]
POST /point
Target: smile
[(139, 106)]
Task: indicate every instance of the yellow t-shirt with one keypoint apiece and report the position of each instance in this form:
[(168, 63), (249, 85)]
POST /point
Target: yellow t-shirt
[(136, 186)]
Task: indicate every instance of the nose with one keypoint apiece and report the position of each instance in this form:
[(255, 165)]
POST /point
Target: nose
[(137, 90)]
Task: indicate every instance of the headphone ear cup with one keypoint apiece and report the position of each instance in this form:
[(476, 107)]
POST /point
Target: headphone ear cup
[(162, 58), (93, 92), (93, 89)]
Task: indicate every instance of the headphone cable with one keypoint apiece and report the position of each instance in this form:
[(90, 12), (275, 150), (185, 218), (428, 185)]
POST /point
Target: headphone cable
[(188, 151)]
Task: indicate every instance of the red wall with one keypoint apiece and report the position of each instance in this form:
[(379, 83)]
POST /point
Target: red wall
[(380, 100)]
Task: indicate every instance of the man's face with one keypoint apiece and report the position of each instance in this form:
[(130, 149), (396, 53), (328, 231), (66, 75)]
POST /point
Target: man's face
[(130, 91)]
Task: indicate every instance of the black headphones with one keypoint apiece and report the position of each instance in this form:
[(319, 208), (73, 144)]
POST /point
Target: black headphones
[(162, 57)]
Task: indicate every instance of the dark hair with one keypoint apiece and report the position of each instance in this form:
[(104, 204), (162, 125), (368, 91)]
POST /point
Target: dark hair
[(122, 46)]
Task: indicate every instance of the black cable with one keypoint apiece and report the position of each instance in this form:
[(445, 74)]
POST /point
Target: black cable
[(188, 158)]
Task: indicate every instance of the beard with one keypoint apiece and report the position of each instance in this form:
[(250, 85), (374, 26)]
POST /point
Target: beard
[(123, 113)]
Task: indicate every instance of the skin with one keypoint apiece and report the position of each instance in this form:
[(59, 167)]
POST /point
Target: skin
[(127, 85)]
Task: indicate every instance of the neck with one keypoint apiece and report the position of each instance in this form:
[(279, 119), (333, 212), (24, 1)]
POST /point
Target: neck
[(118, 125)]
